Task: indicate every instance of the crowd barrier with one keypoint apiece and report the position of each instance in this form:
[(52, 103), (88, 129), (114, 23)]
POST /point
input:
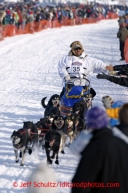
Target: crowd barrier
[(31, 27)]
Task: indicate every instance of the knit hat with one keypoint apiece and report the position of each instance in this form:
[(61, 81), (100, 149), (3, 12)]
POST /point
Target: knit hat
[(74, 45), (96, 118)]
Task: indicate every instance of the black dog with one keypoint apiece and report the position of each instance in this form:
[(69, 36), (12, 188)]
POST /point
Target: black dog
[(59, 124), (70, 128), (43, 126), (53, 111), (79, 124), (33, 132), (75, 126), (54, 101), (80, 108), (20, 140), (52, 143)]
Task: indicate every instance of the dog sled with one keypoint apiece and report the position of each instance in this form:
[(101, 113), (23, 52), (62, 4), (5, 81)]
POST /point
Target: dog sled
[(74, 92)]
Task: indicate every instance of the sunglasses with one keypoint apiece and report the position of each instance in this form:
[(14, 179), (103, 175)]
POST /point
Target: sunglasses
[(77, 49)]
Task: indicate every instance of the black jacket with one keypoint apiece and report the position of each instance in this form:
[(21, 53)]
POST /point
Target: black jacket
[(123, 81), (123, 68), (38, 17), (123, 128), (104, 160)]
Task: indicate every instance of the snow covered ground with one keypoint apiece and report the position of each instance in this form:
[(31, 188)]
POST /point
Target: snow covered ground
[(28, 72)]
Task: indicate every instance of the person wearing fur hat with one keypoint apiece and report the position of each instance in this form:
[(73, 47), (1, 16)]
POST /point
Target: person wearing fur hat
[(78, 65), (104, 157)]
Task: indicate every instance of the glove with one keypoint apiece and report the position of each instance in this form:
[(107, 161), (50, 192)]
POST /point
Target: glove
[(102, 76), (67, 78), (113, 73), (83, 82)]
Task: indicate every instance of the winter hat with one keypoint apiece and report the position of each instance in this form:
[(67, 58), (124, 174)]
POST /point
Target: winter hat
[(96, 118), (107, 102), (40, 179), (76, 44)]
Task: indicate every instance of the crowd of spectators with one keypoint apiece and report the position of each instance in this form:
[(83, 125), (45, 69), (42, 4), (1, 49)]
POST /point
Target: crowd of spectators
[(19, 14)]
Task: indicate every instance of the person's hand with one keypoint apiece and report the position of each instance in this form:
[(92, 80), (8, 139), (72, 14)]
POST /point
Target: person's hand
[(67, 78), (110, 68), (102, 76)]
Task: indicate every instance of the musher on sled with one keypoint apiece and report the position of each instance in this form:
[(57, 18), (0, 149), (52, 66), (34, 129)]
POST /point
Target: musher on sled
[(76, 67)]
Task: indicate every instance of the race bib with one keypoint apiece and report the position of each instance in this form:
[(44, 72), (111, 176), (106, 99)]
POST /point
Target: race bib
[(77, 67)]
